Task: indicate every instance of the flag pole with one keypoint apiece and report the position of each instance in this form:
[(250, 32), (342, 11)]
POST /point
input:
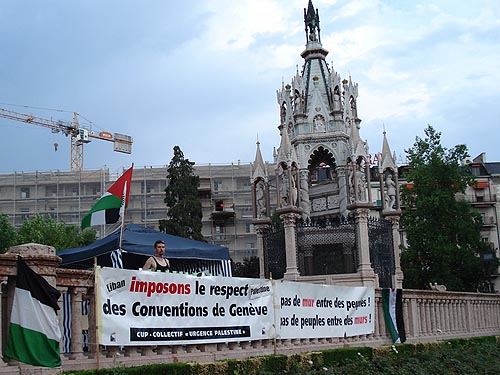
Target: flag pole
[(122, 230), (96, 317), (126, 193)]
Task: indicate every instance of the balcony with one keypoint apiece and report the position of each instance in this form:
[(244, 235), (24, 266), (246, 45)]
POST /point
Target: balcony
[(481, 199), (222, 214), (489, 220), (205, 186)]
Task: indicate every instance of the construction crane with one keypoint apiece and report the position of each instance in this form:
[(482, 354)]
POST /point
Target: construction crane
[(78, 136)]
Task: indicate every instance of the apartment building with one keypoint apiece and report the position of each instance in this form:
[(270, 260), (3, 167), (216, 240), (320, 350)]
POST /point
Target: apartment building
[(483, 195)]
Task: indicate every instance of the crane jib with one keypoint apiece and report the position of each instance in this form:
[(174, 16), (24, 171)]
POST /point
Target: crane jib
[(79, 136)]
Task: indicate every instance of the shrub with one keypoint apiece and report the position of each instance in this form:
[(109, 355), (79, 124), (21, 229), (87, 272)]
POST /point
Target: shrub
[(340, 356), (474, 356)]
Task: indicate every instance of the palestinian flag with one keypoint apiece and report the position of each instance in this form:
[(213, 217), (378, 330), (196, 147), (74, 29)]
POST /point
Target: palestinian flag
[(110, 206), (34, 333), (392, 302)]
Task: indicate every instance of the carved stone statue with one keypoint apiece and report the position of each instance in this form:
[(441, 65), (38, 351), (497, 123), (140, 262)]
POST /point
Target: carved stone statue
[(438, 287), (390, 192), (319, 124), (350, 182), (296, 103), (260, 200), (361, 183), (293, 192), (283, 113), (283, 189), (336, 101)]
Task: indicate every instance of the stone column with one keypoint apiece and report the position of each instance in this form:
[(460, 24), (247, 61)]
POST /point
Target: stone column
[(341, 178), (414, 321), (397, 278), (60, 315), (76, 322), (304, 193), (93, 345), (261, 227), (289, 215), (365, 269)]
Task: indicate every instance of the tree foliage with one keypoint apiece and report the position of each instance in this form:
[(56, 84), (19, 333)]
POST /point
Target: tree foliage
[(181, 197), (444, 244), (46, 231), (249, 268), (8, 235)]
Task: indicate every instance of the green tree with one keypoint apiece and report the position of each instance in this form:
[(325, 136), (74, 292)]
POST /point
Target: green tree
[(249, 268), (46, 231), (443, 231), (8, 235), (181, 197)]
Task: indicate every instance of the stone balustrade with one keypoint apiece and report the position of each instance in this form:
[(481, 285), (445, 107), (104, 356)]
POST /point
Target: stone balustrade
[(428, 316)]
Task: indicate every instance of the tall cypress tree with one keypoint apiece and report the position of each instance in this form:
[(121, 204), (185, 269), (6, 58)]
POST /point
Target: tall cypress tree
[(181, 197), (444, 244)]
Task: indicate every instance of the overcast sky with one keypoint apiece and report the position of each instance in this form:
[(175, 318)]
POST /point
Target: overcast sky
[(203, 74)]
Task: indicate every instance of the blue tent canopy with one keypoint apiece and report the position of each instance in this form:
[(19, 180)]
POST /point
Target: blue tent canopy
[(140, 241)]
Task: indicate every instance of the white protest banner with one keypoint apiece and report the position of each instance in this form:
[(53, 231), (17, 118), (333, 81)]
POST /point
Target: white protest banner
[(156, 308), (313, 311)]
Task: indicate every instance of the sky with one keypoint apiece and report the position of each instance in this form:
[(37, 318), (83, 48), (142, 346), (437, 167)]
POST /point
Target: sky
[(203, 75)]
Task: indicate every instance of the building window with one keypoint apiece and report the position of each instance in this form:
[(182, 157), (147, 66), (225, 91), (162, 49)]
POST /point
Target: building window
[(51, 192), (374, 175), (250, 245), (25, 192), (217, 185), (219, 232), (246, 212), (245, 185), (24, 209), (248, 228), (476, 170)]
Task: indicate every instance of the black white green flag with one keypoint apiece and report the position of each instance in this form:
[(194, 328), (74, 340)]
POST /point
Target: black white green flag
[(34, 332), (392, 302)]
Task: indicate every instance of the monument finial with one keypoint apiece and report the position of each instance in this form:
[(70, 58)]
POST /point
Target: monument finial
[(311, 20)]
